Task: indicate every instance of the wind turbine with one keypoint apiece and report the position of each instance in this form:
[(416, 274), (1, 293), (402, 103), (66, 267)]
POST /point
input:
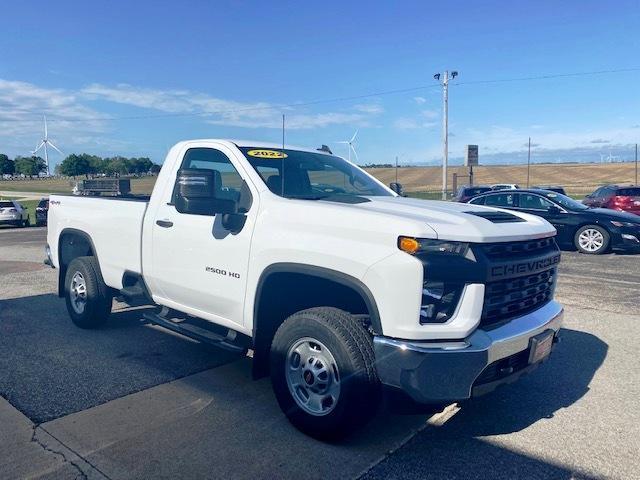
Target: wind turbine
[(350, 146), (44, 143)]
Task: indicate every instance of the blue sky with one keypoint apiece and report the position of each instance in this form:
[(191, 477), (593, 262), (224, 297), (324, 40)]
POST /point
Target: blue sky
[(223, 69)]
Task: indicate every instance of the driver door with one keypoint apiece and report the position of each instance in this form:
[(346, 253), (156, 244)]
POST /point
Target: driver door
[(198, 266), (540, 206)]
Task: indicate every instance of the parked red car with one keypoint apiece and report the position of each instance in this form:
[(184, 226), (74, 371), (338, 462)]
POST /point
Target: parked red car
[(624, 198)]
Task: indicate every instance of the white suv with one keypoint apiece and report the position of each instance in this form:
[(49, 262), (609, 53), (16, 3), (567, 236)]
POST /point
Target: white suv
[(12, 213)]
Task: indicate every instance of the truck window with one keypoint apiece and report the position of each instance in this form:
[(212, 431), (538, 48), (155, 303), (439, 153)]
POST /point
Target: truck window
[(212, 159)]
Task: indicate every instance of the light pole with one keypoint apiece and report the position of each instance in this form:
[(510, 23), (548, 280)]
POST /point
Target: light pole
[(445, 125), (528, 161)]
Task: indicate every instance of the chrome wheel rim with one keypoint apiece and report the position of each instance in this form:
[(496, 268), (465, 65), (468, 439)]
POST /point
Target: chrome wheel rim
[(591, 240), (78, 293), (312, 376)]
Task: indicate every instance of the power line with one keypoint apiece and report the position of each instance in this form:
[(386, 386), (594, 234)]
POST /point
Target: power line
[(331, 100), (550, 76)]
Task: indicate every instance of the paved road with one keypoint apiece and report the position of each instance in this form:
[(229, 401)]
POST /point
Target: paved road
[(132, 401)]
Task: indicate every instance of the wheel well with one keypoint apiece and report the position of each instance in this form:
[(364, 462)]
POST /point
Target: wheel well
[(282, 293), (72, 244)]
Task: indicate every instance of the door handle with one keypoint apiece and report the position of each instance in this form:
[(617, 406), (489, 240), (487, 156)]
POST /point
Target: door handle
[(164, 223)]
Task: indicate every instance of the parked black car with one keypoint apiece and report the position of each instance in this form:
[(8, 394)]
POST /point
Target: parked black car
[(590, 230), (42, 211), (551, 188), (465, 193)]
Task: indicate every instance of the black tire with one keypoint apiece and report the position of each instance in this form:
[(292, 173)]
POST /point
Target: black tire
[(97, 298), (591, 250), (352, 348)]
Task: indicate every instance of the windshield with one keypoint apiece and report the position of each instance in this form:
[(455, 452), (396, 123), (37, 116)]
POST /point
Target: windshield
[(6, 204), (312, 176), (566, 202)]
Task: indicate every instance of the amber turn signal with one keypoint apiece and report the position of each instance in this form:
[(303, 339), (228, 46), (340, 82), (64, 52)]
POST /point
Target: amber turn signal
[(408, 244)]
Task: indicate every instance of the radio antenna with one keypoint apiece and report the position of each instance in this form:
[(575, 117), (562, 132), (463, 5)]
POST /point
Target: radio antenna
[(283, 156)]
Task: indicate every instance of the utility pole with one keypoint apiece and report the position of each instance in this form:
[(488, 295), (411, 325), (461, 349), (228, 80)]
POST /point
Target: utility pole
[(396, 168), (445, 125), (528, 161), (636, 182)]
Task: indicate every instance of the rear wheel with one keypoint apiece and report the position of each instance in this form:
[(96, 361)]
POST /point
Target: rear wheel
[(323, 372), (87, 297), (592, 239)]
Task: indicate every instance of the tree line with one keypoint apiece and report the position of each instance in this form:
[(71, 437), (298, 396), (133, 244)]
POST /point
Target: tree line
[(79, 164), (21, 165)]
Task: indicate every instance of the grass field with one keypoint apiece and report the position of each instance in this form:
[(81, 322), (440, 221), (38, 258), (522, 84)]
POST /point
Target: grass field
[(424, 182), (65, 185)]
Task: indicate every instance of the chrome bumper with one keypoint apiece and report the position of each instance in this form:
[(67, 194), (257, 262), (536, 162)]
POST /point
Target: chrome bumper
[(447, 371)]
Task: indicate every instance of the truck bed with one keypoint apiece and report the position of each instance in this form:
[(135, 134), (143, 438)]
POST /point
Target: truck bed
[(114, 225)]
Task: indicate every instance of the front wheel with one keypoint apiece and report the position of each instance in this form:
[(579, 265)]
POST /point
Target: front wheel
[(592, 239), (87, 297), (323, 372)]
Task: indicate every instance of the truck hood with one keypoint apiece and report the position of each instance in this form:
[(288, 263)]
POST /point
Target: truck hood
[(457, 221)]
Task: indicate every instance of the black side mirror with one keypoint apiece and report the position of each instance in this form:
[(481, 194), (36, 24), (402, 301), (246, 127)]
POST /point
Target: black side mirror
[(397, 187), (196, 193)]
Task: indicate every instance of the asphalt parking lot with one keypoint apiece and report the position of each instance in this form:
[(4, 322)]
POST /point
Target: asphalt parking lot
[(133, 401)]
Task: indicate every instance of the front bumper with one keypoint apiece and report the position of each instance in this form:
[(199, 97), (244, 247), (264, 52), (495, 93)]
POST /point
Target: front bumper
[(625, 238), (456, 370)]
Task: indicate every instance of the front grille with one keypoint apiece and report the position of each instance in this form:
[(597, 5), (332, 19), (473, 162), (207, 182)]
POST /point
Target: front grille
[(509, 250), (502, 368), (506, 299)]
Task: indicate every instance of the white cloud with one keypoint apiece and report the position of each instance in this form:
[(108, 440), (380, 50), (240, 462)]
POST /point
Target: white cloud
[(371, 108), (405, 123), (420, 100), (430, 114), (226, 112), (22, 105)]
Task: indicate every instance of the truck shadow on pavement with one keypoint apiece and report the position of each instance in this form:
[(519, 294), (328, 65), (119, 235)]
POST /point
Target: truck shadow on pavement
[(51, 368), (457, 450)]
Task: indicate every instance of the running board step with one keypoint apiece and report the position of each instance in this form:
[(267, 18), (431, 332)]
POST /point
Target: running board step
[(197, 333), (132, 292)]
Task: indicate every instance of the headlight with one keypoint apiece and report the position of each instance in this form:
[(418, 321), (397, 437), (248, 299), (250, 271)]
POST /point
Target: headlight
[(439, 301), (624, 224), (426, 245)]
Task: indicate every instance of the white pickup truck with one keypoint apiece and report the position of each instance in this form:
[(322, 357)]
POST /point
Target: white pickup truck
[(338, 285)]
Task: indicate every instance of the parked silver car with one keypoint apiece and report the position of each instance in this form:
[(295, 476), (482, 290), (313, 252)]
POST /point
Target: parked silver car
[(12, 213)]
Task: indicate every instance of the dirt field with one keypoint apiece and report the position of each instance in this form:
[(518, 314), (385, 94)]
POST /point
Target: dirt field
[(576, 178)]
